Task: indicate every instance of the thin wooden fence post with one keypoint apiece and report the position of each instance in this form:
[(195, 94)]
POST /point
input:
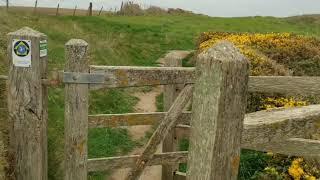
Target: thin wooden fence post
[(170, 93), (90, 9), (27, 105), (74, 11), (35, 7), (100, 11), (57, 11), (7, 5), (76, 112), (219, 104)]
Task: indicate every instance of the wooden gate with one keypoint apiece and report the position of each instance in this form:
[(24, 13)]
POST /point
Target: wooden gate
[(217, 125)]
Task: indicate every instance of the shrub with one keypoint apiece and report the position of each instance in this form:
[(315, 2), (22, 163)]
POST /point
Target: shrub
[(130, 9), (273, 54)]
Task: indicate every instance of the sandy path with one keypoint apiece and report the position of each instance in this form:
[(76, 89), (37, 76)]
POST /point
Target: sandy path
[(147, 103)]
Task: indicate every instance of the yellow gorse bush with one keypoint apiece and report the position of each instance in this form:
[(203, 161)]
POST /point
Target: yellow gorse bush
[(245, 39), (275, 54), (283, 48), (296, 170), (270, 103), (256, 48)]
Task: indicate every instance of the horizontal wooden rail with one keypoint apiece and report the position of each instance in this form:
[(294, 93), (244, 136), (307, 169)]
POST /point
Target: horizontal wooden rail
[(104, 164), (293, 146), (260, 128), (285, 84), (131, 119), (128, 76), (124, 76)]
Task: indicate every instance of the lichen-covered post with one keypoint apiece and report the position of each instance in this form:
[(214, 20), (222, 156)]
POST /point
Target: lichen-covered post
[(219, 104), (27, 105), (170, 93), (76, 112)]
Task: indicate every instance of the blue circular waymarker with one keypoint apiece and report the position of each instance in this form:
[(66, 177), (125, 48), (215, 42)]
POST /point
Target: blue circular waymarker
[(21, 48)]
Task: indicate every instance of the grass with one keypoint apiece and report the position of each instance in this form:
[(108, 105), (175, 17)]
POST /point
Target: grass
[(123, 40)]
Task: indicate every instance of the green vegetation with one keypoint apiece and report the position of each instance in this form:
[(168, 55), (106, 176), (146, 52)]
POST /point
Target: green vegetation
[(123, 40)]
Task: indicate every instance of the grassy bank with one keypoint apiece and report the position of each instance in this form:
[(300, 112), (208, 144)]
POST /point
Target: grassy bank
[(122, 40)]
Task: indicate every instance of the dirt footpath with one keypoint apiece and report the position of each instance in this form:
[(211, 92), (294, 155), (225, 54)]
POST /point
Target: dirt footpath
[(147, 103)]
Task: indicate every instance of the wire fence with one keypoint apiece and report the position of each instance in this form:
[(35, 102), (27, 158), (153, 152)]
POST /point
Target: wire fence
[(80, 8)]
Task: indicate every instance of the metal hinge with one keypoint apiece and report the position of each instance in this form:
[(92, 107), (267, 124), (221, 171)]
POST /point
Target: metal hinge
[(83, 78)]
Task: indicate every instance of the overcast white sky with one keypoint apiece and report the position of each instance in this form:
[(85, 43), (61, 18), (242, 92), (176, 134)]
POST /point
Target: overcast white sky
[(225, 8)]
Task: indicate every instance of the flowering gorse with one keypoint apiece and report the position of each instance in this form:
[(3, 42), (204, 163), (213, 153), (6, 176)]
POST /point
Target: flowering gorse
[(275, 54)]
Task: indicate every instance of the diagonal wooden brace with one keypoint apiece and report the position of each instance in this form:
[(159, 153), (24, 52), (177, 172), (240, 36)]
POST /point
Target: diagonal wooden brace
[(163, 129)]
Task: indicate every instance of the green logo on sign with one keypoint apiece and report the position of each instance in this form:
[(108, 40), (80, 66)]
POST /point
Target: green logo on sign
[(21, 48)]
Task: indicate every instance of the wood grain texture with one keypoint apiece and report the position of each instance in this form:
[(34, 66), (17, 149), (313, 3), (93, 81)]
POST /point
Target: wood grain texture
[(261, 127), (130, 119), (268, 126), (129, 76), (76, 113), (270, 131), (302, 146), (4, 128), (218, 110), (160, 133), (306, 148), (285, 84), (170, 92), (120, 76), (105, 164), (125, 76), (27, 108)]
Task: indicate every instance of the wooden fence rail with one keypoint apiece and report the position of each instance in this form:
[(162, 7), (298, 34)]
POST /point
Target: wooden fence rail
[(260, 128), (125, 76), (217, 124)]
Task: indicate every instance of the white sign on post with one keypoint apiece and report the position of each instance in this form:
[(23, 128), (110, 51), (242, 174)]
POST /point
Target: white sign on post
[(43, 48), (21, 53)]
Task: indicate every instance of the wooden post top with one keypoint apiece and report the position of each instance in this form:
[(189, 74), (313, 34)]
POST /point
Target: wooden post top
[(76, 42), (26, 31), (223, 51)]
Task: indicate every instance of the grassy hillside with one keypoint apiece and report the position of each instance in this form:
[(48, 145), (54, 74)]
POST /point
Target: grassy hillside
[(122, 40)]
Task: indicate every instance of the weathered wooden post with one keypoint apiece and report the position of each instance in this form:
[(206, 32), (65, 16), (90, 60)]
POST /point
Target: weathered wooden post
[(170, 93), (35, 7), (27, 104), (76, 112), (74, 11), (219, 104), (3, 128), (57, 11), (100, 11), (90, 9)]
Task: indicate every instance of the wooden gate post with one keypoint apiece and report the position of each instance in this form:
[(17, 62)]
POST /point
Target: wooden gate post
[(170, 143), (27, 105), (76, 112), (219, 104)]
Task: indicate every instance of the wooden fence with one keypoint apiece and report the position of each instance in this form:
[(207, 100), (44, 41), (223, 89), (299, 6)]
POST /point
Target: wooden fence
[(217, 126)]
